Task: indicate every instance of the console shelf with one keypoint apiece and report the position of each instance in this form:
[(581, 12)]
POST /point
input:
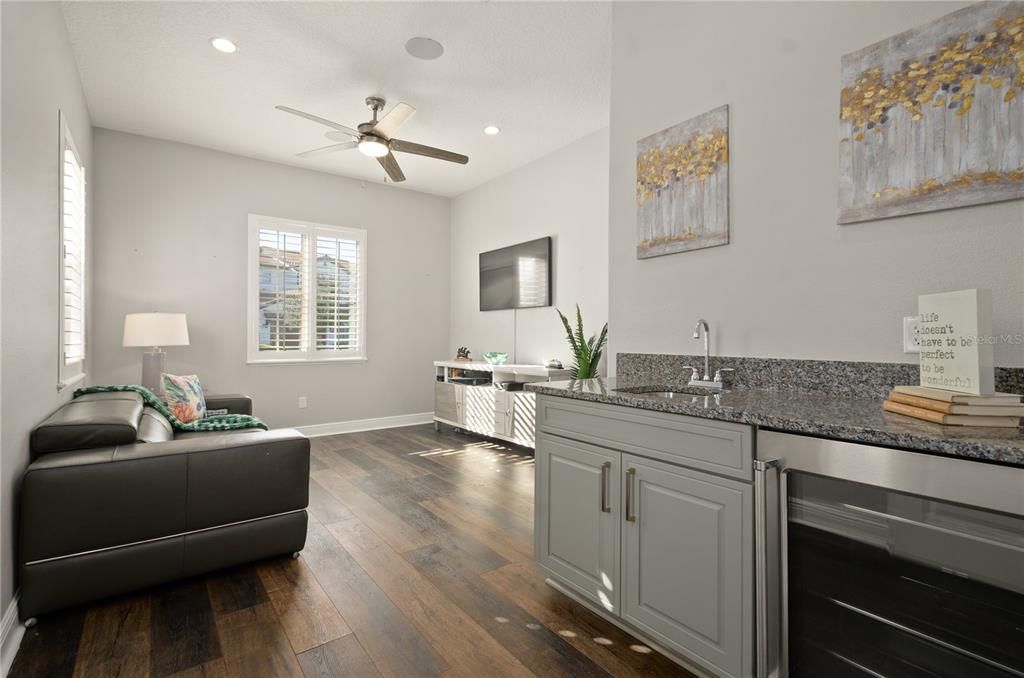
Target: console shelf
[(469, 395)]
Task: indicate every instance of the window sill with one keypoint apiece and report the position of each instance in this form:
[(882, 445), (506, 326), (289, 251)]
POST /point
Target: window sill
[(77, 379), (304, 361)]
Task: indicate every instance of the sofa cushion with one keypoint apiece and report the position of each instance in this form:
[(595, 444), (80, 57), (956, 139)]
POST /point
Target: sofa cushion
[(240, 477), (72, 502), (154, 427), (92, 420)]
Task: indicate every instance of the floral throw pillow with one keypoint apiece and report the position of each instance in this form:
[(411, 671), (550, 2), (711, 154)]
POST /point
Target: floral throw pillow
[(184, 396)]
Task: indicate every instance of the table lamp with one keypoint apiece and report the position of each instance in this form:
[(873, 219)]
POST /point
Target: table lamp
[(154, 330)]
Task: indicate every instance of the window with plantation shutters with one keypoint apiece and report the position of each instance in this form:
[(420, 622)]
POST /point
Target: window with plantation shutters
[(307, 291), (71, 357)]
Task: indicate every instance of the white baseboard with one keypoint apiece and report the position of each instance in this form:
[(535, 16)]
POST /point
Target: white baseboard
[(334, 428), (11, 633)]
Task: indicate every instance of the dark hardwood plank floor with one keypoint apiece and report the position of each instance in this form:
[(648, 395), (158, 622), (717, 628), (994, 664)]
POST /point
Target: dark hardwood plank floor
[(418, 562)]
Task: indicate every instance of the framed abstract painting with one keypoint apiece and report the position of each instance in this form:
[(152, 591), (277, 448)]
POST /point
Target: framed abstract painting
[(933, 118), (682, 186)]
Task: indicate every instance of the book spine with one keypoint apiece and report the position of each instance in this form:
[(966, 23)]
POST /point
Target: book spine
[(917, 401), (915, 412)]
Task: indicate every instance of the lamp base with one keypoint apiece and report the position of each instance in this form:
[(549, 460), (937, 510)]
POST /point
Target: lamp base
[(152, 367)]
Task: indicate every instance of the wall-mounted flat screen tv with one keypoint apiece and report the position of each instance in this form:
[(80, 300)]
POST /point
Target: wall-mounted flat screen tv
[(516, 277)]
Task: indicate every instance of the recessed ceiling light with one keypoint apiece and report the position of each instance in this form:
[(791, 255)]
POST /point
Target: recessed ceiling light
[(223, 45), (424, 48), (491, 130)]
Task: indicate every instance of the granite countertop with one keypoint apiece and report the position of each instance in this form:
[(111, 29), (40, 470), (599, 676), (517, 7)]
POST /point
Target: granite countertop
[(853, 419)]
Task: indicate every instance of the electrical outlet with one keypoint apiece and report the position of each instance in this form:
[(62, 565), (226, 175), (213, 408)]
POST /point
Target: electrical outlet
[(911, 334), (302, 402)]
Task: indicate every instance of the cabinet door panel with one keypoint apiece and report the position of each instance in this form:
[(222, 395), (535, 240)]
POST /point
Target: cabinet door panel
[(524, 417), (576, 540), (688, 563), (478, 408), (502, 412)]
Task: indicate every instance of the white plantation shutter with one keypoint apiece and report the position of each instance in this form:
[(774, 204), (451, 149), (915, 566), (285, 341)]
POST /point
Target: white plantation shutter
[(283, 303), (307, 291), (338, 301), (72, 264)]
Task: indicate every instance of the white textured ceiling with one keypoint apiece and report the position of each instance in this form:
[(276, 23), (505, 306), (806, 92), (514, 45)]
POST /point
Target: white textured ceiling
[(539, 71)]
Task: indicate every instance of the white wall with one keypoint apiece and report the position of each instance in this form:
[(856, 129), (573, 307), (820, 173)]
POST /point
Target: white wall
[(171, 229), (39, 79), (792, 283), (564, 195)]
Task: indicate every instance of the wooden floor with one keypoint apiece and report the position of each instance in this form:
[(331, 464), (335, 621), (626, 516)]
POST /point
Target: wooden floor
[(418, 563)]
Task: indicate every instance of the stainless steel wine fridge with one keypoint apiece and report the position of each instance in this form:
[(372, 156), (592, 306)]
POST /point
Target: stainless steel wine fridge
[(873, 562)]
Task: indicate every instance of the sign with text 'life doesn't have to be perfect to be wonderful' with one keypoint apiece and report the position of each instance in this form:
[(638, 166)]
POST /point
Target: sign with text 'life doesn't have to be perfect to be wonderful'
[(956, 341)]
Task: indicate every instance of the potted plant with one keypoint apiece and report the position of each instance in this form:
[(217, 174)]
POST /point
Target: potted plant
[(586, 352)]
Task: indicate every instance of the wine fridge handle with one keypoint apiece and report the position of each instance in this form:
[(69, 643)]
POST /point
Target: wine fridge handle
[(630, 474), (768, 566)]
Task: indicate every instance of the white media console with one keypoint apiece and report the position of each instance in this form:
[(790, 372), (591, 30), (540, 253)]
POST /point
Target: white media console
[(467, 396)]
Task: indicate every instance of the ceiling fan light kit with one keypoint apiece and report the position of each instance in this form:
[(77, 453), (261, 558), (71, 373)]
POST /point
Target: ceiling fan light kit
[(375, 139), (373, 147)]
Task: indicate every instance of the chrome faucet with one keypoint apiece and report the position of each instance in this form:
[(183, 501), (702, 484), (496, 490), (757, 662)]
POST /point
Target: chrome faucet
[(703, 325), (707, 381)]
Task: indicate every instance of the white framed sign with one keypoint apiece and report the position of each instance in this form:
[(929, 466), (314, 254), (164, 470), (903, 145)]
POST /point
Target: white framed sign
[(956, 341)]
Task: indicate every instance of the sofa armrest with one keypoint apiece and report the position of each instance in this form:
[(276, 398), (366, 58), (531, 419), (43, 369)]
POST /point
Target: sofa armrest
[(78, 501), (232, 402)]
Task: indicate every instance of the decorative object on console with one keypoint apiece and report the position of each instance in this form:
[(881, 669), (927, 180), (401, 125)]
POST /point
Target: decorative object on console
[(682, 186), (554, 363), (462, 353), (184, 395), (496, 357), (153, 330), (586, 353), (930, 119)]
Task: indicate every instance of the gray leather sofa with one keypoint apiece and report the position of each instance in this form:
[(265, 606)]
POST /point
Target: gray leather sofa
[(114, 500)]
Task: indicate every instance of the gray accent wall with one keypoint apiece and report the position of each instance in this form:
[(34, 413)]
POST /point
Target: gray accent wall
[(171, 235), (563, 195), (791, 283), (39, 78)]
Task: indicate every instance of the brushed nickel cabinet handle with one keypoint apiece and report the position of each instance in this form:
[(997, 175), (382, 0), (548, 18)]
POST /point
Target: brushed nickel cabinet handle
[(630, 515), (605, 468)]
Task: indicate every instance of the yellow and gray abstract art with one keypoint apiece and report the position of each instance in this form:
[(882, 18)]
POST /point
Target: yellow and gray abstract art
[(933, 118), (682, 186)]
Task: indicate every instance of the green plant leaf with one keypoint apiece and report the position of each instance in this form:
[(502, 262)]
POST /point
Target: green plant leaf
[(586, 352)]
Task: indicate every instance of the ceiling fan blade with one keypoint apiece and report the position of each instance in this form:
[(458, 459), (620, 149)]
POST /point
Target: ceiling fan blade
[(322, 121), (395, 118), (428, 151), (344, 146), (390, 166)]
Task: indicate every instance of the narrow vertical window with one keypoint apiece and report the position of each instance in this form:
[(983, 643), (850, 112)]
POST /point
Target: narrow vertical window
[(73, 262)]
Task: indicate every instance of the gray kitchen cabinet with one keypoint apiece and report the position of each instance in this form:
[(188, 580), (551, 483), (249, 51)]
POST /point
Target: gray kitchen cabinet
[(577, 531), (687, 572), (669, 554)]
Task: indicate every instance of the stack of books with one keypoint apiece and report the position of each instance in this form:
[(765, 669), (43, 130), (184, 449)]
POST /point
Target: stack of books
[(1002, 410)]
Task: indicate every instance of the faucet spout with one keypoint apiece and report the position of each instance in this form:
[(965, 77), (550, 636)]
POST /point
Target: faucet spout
[(702, 325)]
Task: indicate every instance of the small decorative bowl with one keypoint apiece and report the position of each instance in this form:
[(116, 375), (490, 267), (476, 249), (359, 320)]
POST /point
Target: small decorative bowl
[(495, 357)]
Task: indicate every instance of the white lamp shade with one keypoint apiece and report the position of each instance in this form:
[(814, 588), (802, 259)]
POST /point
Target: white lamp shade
[(155, 329)]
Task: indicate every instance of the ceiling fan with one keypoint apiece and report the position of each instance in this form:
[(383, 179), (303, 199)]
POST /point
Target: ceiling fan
[(376, 138)]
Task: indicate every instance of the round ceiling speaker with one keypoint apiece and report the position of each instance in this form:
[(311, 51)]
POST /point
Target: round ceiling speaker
[(424, 48)]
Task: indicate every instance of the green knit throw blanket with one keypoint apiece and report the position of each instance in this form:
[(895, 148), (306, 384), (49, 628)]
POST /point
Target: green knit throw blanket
[(217, 422)]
